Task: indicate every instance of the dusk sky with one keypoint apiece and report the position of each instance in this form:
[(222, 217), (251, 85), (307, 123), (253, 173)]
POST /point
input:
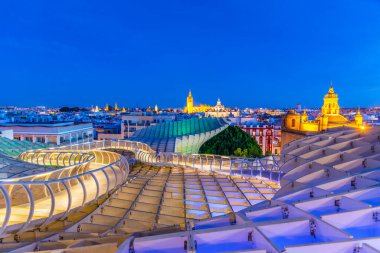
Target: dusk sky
[(140, 53)]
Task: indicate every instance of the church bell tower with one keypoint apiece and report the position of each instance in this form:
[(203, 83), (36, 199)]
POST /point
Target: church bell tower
[(330, 103), (189, 102)]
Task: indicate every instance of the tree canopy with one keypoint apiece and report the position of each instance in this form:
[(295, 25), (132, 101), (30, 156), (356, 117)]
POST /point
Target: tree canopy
[(232, 141)]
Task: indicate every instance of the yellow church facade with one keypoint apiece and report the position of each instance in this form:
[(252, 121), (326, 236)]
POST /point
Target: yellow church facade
[(330, 117)]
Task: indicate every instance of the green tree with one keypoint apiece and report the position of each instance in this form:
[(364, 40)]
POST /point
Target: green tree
[(237, 152), (232, 142)]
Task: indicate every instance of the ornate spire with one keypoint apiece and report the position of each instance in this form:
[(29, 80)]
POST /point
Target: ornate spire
[(189, 95), (331, 90)]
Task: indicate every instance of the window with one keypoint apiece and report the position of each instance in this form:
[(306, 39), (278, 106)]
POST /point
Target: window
[(293, 123)]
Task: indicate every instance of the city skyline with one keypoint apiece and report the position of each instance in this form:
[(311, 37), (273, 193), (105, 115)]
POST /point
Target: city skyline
[(121, 106), (190, 126), (142, 54)]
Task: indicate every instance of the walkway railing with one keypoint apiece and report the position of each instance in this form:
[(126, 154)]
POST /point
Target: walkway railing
[(39, 199), (80, 174), (54, 158), (268, 167)]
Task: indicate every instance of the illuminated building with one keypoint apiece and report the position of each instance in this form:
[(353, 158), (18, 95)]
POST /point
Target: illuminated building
[(219, 106), (57, 133), (330, 117), (191, 108), (268, 137), (220, 111), (210, 111), (116, 108), (276, 112), (189, 103)]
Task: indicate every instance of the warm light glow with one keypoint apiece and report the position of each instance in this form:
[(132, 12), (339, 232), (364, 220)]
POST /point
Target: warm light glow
[(330, 117)]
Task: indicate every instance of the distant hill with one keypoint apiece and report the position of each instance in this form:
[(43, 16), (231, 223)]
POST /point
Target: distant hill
[(232, 142)]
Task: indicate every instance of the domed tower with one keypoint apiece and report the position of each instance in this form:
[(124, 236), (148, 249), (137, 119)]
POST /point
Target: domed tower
[(330, 103), (358, 118), (292, 120)]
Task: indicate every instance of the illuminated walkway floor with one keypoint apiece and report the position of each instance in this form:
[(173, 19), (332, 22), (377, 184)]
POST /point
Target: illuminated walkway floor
[(162, 197), (328, 202), (158, 199)]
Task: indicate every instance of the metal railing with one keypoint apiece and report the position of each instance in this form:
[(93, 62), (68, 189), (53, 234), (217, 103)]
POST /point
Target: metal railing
[(80, 174), (37, 200), (268, 167)]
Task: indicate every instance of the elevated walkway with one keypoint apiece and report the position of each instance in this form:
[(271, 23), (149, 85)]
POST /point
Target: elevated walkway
[(87, 190)]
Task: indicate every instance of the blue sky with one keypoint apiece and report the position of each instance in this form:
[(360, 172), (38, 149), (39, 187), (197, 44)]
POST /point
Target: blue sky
[(271, 53)]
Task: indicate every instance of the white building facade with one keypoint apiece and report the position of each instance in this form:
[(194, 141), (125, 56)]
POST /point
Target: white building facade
[(51, 133)]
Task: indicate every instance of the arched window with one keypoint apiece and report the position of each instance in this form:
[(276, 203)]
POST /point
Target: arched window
[(293, 122)]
